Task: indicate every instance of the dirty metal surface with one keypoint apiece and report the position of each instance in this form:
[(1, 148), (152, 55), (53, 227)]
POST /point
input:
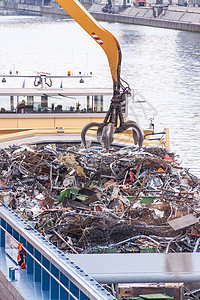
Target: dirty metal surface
[(103, 201), (146, 267)]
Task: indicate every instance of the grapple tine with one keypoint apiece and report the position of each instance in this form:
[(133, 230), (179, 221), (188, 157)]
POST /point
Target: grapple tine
[(108, 135), (99, 133), (137, 128), (138, 134), (114, 116), (85, 129)]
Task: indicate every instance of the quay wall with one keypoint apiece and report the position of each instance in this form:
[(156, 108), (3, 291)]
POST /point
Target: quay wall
[(172, 18), (179, 18), (170, 24)]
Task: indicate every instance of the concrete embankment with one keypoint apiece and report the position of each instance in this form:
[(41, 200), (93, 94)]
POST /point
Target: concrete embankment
[(173, 17)]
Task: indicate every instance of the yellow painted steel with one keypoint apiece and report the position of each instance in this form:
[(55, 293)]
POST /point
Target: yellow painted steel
[(14, 127), (35, 123), (45, 131), (110, 45), (8, 123), (167, 138), (32, 121), (76, 122), (15, 134)]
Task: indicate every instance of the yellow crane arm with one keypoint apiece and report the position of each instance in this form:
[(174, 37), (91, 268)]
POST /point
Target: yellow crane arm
[(103, 37)]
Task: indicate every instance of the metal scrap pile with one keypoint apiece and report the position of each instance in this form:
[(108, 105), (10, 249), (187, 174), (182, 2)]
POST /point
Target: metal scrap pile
[(97, 201)]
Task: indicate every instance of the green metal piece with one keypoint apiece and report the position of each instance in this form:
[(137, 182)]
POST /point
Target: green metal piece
[(69, 192), (143, 199), (147, 199), (149, 297), (156, 297), (146, 249), (48, 222)]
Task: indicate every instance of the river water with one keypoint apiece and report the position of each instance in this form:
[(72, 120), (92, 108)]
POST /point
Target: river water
[(162, 67)]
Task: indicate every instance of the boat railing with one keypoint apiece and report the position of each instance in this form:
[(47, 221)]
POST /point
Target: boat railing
[(53, 270), (36, 261), (48, 111)]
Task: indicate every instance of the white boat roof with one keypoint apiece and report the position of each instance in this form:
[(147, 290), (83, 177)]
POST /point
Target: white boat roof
[(54, 91)]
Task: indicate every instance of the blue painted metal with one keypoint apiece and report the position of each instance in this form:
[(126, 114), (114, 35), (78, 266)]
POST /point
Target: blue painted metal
[(37, 267), (45, 275), (12, 274), (22, 240), (9, 229), (15, 234), (65, 281), (10, 268), (54, 283), (54, 274), (2, 233), (29, 259)]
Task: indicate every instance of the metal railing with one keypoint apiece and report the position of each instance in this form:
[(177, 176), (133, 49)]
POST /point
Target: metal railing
[(41, 265), (49, 266)]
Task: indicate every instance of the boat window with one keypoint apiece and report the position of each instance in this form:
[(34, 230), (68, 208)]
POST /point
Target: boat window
[(55, 104)]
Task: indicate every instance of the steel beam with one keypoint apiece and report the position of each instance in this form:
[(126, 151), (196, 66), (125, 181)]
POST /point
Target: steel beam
[(140, 267)]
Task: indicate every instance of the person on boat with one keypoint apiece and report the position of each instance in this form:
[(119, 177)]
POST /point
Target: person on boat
[(21, 256)]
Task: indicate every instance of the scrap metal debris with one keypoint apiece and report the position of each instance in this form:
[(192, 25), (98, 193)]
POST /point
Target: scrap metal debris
[(99, 201)]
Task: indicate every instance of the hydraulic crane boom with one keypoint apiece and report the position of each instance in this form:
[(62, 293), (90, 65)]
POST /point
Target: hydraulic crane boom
[(114, 120), (103, 37)]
